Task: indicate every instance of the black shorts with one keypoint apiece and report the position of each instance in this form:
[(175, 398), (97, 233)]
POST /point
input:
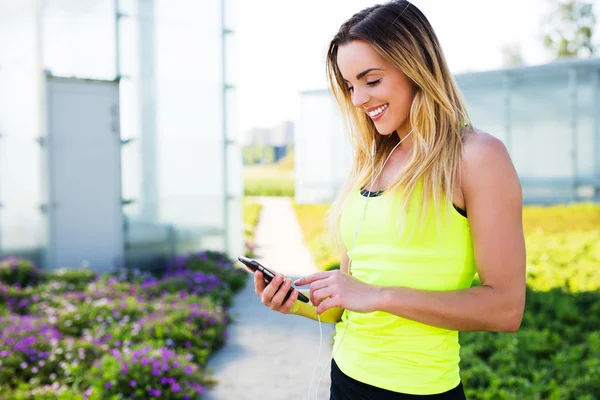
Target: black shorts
[(345, 388)]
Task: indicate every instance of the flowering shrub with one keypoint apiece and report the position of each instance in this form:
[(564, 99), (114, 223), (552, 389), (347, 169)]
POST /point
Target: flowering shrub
[(211, 263), (76, 279), (18, 272), (148, 372), (15, 299), (25, 347), (81, 336)]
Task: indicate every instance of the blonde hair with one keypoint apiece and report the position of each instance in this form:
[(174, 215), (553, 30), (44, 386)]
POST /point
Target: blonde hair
[(401, 34)]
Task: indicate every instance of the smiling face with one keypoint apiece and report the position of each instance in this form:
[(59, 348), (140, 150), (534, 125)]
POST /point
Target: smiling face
[(379, 89)]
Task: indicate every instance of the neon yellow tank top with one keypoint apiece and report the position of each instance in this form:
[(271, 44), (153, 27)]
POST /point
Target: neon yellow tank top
[(385, 350)]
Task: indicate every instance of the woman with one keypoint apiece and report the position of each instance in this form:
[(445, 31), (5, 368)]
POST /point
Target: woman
[(429, 202)]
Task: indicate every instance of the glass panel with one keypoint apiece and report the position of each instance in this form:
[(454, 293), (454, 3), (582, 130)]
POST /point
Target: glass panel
[(486, 107), (23, 228), (541, 125), (585, 123), (79, 38)]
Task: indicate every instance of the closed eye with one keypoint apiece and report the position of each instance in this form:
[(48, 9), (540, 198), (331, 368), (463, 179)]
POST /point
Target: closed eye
[(374, 83)]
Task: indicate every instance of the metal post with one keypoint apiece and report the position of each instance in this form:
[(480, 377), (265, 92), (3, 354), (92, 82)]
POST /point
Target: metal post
[(573, 125), (117, 42), (147, 108), (47, 248), (596, 131), (507, 114), (224, 33)]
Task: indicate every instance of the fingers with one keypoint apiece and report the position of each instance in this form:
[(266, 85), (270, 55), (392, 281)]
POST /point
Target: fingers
[(318, 296), (279, 297), (287, 306), (273, 294), (259, 283), (316, 286), (270, 290), (326, 305), (312, 278)]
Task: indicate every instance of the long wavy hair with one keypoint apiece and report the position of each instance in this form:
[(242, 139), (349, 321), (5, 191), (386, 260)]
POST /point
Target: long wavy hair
[(401, 34)]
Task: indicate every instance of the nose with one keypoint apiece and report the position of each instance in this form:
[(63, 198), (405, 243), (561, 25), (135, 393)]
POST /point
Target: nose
[(359, 97)]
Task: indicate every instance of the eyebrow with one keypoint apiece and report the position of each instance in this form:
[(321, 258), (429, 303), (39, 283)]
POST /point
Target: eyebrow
[(362, 74)]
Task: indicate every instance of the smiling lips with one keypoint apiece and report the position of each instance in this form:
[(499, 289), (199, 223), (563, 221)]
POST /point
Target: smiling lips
[(377, 113)]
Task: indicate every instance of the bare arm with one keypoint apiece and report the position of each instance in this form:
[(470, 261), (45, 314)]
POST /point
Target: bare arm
[(494, 204)]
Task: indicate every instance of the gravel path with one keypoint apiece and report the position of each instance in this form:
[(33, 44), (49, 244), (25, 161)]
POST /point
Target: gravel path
[(269, 355)]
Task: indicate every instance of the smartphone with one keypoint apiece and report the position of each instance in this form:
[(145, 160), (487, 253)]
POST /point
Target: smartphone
[(268, 275)]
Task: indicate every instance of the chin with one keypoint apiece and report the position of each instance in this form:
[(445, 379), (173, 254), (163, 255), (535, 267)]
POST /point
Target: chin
[(384, 130)]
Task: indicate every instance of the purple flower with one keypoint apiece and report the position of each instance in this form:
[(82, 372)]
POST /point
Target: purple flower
[(107, 385), (175, 387), (198, 388), (133, 383)]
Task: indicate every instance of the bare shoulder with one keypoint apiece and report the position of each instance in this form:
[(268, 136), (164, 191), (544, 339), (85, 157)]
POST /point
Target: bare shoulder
[(486, 165), (479, 146)]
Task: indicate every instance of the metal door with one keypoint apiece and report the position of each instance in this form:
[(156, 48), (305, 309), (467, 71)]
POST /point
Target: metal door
[(84, 174)]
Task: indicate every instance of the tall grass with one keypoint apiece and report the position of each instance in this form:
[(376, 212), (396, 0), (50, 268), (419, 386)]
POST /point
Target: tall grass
[(270, 179)]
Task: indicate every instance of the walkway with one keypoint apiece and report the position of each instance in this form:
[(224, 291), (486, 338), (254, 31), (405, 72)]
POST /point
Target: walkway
[(270, 356)]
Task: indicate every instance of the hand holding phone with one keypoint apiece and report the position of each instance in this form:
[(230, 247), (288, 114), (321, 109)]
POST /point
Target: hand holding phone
[(268, 275)]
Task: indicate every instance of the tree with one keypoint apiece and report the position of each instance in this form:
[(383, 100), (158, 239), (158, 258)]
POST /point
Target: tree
[(511, 55), (569, 28)]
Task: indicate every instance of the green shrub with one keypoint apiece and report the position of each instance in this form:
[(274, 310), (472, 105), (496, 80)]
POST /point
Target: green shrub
[(269, 180), (251, 212), (554, 355), (20, 272), (75, 279), (270, 187)]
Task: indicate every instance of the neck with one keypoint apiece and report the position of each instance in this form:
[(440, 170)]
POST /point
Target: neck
[(405, 136)]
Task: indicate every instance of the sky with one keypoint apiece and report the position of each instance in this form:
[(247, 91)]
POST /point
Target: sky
[(281, 45)]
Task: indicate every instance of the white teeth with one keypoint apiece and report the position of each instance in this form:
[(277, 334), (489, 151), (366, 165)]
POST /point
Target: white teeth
[(378, 111)]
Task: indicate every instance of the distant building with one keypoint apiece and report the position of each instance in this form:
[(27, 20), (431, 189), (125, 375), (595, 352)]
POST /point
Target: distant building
[(257, 137), (277, 140), (546, 115), (282, 139)]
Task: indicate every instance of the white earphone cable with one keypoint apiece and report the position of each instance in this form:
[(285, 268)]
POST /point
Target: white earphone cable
[(359, 226), (318, 356)]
